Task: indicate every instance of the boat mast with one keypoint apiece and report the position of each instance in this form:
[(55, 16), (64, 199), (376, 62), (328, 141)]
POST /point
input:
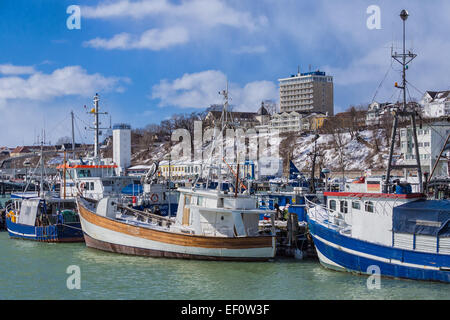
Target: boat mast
[(96, 99), (404, 59), (41, 183), (96, 127), (73, 136)]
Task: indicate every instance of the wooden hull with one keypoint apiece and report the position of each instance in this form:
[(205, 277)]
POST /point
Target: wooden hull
[(115, 236)]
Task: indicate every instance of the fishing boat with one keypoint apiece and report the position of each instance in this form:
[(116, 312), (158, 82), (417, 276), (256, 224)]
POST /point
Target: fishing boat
[(43, 217), (211, 224), (94, 177), (384, 225)]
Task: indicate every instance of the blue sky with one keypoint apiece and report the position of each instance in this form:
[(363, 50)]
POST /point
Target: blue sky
[(150, 59)]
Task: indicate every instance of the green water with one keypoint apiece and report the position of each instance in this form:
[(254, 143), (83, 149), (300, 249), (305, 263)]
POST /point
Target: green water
[(32, 270)]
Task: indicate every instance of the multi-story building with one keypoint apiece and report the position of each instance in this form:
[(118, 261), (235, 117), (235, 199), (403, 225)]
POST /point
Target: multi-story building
[(430, 139), (436, 104), (307, 92), (286, 122)]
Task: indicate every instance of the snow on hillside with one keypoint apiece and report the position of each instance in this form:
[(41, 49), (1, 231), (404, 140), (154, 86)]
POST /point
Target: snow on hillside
[(357, 153)]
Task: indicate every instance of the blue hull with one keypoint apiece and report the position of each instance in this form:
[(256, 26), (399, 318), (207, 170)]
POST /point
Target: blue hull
[(343, 253), (55, 233)]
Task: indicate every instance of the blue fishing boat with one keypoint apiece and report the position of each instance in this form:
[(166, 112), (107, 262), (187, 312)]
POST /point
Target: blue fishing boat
[(47, 220), (404, 235), (42, 216), (381, 225)]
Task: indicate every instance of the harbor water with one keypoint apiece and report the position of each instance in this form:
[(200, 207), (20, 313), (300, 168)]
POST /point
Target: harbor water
[(33, 270)]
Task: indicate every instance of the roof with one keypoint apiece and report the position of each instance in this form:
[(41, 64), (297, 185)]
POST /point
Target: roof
[(238, 115), (140, 167), (22, 149), (262, 111), (435, 95)]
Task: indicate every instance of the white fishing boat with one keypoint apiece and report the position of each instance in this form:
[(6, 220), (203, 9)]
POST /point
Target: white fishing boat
[(216, 224), (209, 224)]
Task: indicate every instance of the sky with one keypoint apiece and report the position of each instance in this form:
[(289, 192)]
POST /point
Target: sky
[(149, 59)]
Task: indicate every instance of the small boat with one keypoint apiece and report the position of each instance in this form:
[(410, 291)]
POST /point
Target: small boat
[(44, 219), (42, 216), (209, 225)]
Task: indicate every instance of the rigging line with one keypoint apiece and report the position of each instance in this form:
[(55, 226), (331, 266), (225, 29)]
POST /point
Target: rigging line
[(381, 83), (418, 90), (59, 123), (86, 123), (79, 132)]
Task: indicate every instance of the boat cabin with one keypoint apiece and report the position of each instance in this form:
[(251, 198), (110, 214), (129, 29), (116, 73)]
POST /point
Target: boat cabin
[(39, 212), (218, 214), (92, 181)]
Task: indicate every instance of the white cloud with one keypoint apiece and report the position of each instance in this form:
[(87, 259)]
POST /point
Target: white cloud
[(199, 90), (10, 69), (204, 12), (70, 80), (153, 39)]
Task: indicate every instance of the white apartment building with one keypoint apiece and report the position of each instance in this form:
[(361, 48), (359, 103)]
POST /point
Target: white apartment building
[(430, 142), (307, 92), (436, 104), (286, 122)]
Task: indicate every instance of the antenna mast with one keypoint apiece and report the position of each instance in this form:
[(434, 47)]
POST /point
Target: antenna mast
[(96, 127), (404, 59)]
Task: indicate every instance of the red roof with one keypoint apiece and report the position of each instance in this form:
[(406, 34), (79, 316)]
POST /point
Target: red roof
[(374, 195), (21, 150)]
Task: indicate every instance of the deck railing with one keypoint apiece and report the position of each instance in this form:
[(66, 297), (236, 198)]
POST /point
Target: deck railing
[(330, 218)]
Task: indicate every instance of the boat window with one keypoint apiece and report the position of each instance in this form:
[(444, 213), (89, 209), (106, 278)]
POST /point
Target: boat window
[(343, 206), (92, 186), (200, 201), (332, 204), (356, 205), (369, 206), (187, 200)]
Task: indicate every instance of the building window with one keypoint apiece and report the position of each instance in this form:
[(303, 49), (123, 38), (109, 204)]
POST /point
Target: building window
[(369, 206)]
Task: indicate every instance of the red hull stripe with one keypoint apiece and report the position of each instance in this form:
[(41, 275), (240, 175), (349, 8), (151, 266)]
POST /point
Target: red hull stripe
[(374, 195)]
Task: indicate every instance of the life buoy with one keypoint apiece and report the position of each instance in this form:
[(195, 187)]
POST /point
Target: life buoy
[(154, 197)]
